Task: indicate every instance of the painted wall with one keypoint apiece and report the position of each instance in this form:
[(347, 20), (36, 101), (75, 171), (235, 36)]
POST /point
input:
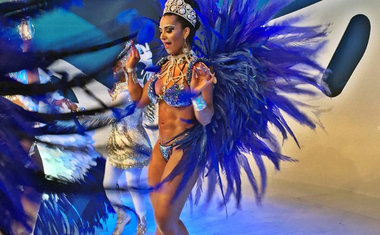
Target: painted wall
[(346, 154)]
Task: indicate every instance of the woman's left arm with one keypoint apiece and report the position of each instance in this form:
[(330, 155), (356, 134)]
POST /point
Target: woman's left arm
[(202, 84)]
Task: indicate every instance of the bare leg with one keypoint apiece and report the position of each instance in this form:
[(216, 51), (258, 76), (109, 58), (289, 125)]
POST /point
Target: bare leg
[(155, 170), (166, 210)]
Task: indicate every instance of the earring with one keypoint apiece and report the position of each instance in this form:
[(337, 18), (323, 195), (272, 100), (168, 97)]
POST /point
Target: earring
[(185, 50)]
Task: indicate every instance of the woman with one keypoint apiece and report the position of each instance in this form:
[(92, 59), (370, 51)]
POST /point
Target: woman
[(176, 34), (204, 126), (128, 151)]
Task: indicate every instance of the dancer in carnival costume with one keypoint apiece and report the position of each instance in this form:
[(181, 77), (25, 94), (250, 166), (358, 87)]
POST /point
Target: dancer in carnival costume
[(128, 151), (208, 120)]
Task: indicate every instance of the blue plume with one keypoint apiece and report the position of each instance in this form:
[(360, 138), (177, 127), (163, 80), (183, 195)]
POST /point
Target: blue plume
[(257, 63), (146, 33)]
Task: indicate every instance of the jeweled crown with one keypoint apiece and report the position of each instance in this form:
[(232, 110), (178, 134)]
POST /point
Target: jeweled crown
[(181, 8)]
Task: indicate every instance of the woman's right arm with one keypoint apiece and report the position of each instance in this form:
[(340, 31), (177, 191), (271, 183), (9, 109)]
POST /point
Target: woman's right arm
[(136, 92)]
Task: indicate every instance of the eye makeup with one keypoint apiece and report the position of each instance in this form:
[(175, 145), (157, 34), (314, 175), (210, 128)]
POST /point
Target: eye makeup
[(168, 28)]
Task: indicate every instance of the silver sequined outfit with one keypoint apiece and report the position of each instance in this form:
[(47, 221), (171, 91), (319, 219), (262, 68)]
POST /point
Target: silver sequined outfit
[(128, 145)]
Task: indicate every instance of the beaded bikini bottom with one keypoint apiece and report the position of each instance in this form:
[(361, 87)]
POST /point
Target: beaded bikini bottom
[(166, 151)]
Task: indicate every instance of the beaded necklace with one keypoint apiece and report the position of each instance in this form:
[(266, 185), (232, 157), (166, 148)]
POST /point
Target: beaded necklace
[(174, 63)]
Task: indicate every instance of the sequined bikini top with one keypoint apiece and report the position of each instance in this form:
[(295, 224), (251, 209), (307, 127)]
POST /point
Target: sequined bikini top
[(175, 95)]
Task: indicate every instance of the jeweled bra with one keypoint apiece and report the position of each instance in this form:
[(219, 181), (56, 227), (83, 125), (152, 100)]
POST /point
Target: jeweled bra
[(176, 95)]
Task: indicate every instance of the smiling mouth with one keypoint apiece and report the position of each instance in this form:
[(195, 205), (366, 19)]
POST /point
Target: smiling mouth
[(166, 44)]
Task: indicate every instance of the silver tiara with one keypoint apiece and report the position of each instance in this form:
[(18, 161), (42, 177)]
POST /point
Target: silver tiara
[(181, 8)]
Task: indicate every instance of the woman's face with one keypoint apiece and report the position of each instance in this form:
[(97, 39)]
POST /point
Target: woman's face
[(172, 35)]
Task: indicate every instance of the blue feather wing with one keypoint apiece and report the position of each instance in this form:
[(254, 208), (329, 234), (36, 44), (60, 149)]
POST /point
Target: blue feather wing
[(257, 64)]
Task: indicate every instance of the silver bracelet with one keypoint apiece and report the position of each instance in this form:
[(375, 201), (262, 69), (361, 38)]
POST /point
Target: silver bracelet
[(130, 70), (133, 74), (199, 103)]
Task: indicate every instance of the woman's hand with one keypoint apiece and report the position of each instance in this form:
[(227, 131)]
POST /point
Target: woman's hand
[(133, 58), (202, 78), (201, 86)]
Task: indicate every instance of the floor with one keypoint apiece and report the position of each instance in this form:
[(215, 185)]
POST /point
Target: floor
[(288, 208)]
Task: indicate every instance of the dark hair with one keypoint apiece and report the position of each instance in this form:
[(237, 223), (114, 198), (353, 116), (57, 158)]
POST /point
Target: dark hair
[(184, 23)]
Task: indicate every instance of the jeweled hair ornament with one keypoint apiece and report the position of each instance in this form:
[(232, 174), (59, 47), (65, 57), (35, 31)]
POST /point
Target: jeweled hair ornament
[(26, 29), (181, 8)]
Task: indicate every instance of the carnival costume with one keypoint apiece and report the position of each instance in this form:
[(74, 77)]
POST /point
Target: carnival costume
[(175, 95), (128, 145), (257, 64)]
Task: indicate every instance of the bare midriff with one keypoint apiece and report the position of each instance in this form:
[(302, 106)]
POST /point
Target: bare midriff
[(172, 121)]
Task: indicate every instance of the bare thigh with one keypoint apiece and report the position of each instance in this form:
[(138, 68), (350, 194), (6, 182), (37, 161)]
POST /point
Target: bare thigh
[(167, 206), (155, 170)]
